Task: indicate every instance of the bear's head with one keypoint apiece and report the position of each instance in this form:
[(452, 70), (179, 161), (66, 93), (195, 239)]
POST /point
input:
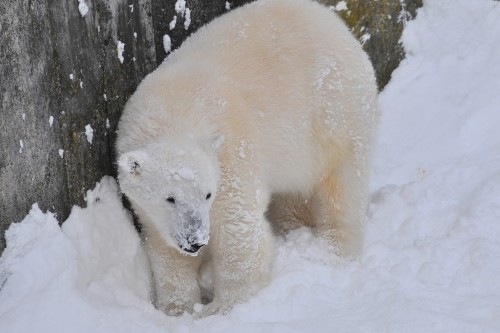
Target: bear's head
[(172, 186)]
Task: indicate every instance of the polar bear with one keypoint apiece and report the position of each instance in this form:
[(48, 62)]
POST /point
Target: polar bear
[(269, 108)]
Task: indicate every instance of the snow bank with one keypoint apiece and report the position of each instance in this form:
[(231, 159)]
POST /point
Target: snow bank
[(82, 277), (443, 103), (432, 242)]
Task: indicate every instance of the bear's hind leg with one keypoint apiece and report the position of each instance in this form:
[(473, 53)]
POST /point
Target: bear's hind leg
[(288, 211), (338, 206)]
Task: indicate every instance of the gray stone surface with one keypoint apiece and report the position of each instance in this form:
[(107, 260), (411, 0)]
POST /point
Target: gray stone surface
[(378, 25), (43, 43)]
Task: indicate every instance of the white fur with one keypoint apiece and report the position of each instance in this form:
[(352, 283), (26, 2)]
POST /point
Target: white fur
[(275, 99)]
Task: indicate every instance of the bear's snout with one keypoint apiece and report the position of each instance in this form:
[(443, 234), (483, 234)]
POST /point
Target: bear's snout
[(192, 245), (194, 235), (194, 248)]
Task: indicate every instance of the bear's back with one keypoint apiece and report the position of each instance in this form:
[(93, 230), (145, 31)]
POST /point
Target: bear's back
[(272, 71)]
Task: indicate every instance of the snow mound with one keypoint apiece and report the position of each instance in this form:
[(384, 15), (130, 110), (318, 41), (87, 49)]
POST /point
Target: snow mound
[(78, 278), (443, 103)]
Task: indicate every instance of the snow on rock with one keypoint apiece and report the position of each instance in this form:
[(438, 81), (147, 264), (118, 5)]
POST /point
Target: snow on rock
[(173, 23), (187, 18), (341, 5), (167, 43), (228, 5), (430, 262), (180, 7), (61, 153), (120, 48), (51, 121), (83, 8), (366, 37), (21, 146), (89, 132)]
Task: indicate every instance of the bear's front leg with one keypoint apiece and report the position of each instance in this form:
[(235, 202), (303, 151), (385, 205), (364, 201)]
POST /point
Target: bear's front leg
[(175, 276), (242, 254)]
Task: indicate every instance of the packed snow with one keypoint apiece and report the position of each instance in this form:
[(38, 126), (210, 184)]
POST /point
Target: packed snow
[(431, 259)]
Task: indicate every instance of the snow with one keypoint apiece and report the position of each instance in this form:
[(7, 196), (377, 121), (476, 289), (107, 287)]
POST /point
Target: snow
[(430, 262), (404, 15), (184, 173), (227, 5), (180, 7), (366, 37), (89, 132), (120, 48), (51, 121), (167, 43), (341, 5), (61, 153), (83, 8), (187, 19), (21, 146), (173, 23)]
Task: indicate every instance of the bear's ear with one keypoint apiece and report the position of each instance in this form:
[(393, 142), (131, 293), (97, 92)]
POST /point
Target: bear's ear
[(216, 141), (133, 162)]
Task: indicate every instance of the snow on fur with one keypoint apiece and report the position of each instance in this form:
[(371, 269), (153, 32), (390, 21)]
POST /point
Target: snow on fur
[(431, 256)]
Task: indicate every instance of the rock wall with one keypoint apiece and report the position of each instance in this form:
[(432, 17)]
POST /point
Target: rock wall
[(62, 89), (378, 25)]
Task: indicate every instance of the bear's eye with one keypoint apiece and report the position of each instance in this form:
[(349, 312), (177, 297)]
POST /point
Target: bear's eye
[(209, 195), (171, 200)]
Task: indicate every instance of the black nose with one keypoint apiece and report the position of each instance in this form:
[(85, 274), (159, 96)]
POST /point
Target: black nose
[(194, 248)]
